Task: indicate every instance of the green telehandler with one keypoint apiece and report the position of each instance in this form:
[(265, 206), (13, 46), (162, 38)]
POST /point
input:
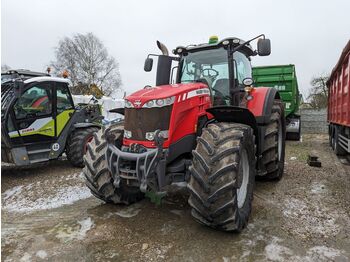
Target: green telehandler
[(40, 122)]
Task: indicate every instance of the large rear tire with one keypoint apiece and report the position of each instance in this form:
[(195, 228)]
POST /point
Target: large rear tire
[(98, 177), (223, 176), (274, 144), (77, 145)]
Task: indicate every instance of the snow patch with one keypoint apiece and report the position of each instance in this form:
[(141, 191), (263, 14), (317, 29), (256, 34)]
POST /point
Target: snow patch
[(26, 257), (276, 252), (41, 254), (17, 202), (12, 192), (322, 253), (78, 232), (129, 212), (312, 218)]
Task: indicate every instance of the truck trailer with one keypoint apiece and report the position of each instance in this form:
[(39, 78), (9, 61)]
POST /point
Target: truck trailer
[(339, 104), (284, 79)]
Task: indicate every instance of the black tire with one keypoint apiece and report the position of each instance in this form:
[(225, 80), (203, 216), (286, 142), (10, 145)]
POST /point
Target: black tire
[(274, 144), (77, 145), (223, 152), (97, 176), (330, 134)]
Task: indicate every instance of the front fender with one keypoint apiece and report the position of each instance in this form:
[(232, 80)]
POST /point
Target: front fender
[(237, 115)]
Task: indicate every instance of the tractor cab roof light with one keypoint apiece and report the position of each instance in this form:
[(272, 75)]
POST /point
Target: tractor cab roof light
[(213, 39)]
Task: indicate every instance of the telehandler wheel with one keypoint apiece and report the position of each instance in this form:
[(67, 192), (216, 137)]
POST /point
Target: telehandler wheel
[(97, 176), (274, 144), (77, 144), (223, 176)]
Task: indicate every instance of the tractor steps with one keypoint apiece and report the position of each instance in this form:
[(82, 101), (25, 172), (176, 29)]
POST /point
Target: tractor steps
[(33, 161), (32, 152)]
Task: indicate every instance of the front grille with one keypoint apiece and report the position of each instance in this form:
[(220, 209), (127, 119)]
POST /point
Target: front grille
[(142, 120)]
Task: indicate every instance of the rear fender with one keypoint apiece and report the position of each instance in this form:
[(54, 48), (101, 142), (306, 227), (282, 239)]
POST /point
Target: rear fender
[(261, 103)]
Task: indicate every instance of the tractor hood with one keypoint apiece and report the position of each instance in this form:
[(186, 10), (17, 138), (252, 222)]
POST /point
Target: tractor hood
[(161, 92)]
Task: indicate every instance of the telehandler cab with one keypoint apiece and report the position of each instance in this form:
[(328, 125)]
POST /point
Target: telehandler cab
[(210, 128), (39, 120)]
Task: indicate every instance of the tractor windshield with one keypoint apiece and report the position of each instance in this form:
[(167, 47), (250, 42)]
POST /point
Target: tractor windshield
[(211, 67)]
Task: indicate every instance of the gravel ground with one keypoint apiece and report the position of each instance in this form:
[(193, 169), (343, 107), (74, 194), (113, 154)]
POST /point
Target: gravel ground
[(48, 214)]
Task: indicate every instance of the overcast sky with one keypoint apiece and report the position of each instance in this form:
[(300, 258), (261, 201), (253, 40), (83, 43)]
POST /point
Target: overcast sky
[(310, 34)]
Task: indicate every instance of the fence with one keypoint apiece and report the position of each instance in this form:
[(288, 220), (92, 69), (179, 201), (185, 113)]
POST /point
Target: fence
[(313, 121)]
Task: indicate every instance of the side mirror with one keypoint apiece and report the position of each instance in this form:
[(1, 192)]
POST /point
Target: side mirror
[(264, 47), (148, 64)]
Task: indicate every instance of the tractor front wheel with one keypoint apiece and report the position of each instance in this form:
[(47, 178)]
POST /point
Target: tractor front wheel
[(97, 176), (223, 176)]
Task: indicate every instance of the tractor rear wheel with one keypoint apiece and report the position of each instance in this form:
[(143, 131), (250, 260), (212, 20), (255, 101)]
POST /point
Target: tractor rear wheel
[(97, 176), (274, 144), (77, 145), (223, 176)]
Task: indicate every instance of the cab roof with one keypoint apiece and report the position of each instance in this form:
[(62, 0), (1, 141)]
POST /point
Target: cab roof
[(230, 40)]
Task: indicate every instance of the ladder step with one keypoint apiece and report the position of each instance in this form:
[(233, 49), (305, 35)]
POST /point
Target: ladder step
[(38, 151), (38, 160)]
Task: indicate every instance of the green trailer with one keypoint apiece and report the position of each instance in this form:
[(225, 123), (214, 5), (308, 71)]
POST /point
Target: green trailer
[(283, 78)]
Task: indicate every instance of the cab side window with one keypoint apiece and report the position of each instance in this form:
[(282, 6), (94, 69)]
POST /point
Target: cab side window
[(34, 102), (242, 66), (64, 99)]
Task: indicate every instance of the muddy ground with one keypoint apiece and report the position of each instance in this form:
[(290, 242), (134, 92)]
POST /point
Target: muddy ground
[(48, 214)]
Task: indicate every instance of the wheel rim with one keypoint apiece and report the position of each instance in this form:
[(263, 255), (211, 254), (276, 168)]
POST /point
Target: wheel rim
[(242, 191), (280, 138)]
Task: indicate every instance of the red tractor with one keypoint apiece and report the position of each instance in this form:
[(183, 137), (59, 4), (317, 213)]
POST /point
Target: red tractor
[(210, 128)]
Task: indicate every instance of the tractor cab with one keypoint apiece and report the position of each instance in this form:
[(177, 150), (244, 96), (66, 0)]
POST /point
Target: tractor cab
[(224, 66)]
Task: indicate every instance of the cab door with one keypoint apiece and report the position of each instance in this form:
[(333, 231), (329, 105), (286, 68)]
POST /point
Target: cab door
[(33, 116)]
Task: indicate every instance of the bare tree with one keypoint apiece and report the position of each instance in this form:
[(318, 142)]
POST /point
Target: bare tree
[(88, 63), (5, 67), (319, 92)]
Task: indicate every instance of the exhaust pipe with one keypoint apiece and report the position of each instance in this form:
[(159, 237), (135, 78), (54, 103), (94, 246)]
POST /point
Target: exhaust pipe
[(163, 48)]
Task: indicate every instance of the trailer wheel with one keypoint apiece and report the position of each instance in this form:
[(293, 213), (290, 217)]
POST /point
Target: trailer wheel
[(274, 144), (223, 176), (97, 176), (330, 135), (77, 144), (338, 150), (294, 136)]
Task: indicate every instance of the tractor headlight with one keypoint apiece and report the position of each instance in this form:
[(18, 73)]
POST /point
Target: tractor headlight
[(128, 104), (127, 134), (150, 103), (150, 135), (160, 102)]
